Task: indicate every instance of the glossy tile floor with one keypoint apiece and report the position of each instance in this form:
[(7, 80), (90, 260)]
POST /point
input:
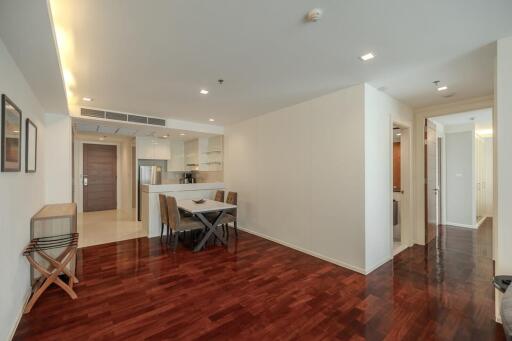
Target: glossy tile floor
[(108, 226), (258, 290)]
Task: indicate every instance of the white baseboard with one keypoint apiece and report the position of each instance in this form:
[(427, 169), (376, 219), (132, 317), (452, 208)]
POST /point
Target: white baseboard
[(309, 252), (20, 314), (377, 265), (460, 225)]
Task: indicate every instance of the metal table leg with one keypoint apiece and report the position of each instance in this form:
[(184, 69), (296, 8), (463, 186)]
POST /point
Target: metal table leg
[(210, 229)]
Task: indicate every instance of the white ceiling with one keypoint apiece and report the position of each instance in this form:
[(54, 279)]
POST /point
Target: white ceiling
[(481, 118), (26, 30), (153, 57)]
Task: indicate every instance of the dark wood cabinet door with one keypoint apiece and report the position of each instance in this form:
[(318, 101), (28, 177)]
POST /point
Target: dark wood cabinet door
[(100, 177)]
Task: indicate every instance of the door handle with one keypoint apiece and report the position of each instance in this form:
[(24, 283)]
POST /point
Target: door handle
[(85, 180)]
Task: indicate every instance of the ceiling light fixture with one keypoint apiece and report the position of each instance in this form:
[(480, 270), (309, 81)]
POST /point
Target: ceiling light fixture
[(398, 134), (203, 92), (87, 99), (165, 136), (366, 57), (442, 88), (211, 120)]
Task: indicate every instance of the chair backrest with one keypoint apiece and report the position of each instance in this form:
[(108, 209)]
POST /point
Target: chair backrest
[(173, 213), (164, 217), (232, 199), (219, 196)]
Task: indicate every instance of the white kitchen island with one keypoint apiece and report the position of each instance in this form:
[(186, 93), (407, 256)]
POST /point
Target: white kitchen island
[(150, 204)]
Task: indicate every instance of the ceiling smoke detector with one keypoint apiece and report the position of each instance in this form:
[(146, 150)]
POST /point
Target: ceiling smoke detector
[(314, 15)]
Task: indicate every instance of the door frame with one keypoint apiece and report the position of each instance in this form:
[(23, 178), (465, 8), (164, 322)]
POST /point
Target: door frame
[(425, 176), (79, 161), (477, 103), (407, 184)]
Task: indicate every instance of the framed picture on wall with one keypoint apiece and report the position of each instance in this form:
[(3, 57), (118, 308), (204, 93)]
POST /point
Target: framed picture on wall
[(11, 136), (30, 146)]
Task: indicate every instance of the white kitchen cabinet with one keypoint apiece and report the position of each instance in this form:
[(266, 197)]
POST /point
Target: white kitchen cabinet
[(177, 161), (153, 148)]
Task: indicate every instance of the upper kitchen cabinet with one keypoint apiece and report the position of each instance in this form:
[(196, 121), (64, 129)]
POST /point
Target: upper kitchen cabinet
[(153, 148), (204, 154), (177, 161)]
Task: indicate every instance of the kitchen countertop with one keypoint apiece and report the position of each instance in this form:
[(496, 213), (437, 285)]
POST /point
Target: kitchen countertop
[(181, 187)]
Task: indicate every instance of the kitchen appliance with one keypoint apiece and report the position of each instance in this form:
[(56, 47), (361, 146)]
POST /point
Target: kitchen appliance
[(148, 175), (189, 178)]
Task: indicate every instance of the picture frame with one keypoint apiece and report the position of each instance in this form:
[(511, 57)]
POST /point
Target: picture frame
[(10, 136), (30, 146)]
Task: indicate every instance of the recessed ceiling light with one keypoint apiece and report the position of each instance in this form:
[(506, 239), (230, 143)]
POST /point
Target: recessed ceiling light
[(203, 92), (442, 88), (366, 57), (182, 134), (211, 120), (165, 136), (87, 99)]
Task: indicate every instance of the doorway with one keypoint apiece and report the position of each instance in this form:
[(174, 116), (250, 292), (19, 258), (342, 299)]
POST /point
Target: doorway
[(458, 171), (100, 177), (401, 181)]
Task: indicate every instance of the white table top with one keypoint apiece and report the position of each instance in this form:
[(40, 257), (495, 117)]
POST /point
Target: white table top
[(208, 206)]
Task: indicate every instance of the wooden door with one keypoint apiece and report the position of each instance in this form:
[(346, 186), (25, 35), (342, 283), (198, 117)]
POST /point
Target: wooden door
[(100, 177), (431, 182)]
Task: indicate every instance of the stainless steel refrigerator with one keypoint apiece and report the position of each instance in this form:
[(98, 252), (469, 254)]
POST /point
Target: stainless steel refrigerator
[(148, 175)]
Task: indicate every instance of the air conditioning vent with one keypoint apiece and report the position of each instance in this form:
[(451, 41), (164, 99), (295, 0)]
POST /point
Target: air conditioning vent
[(116, 116), (92, 113), (156, 121), (137, 119)]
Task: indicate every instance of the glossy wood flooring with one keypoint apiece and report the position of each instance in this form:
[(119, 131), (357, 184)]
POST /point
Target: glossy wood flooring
[(258, 290)]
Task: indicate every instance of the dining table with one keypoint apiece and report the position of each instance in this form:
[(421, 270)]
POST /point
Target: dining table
[(210, 213)]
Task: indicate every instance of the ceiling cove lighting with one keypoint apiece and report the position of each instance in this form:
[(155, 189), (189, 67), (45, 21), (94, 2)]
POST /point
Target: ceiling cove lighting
[(87, 99), (203, 92), (442, 88), (367, 57)]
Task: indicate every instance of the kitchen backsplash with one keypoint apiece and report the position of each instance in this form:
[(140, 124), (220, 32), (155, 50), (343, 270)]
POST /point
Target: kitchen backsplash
[(201, 176)]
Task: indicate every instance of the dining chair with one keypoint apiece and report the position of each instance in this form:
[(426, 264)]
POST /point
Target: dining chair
[(231, 216), (179, 223), (219, 196), (164, 217)]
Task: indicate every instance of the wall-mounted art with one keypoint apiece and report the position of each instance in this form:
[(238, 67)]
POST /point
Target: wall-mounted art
[(30, 146), (11, 136)]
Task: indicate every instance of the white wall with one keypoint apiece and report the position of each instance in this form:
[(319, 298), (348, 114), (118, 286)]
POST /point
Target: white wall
[(460, 178), (58, 160), (380, 110), (503, 162), (21, 195), (300, 175), (300, 178)]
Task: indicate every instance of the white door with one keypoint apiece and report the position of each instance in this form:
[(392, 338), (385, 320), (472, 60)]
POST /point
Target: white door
[(432, 182)]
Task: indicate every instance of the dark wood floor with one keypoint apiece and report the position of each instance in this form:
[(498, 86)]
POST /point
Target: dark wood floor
[(259, 290)]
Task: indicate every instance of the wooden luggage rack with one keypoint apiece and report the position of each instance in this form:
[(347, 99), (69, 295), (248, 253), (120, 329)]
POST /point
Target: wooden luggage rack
[(57, 265)]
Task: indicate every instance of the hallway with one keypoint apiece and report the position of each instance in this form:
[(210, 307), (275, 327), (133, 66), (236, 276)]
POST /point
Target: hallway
[(260, 290)]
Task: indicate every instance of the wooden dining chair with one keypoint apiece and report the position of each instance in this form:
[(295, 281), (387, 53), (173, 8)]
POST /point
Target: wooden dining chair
[(164, 217), (231, 216), (179, 223), (219, 196)]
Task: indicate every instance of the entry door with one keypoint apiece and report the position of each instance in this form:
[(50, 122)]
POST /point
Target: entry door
[(100, 177), (431, 183)]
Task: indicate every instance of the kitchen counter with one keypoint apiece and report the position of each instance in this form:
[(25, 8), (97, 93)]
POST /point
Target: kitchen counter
[(150, 203), (181, 187)]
